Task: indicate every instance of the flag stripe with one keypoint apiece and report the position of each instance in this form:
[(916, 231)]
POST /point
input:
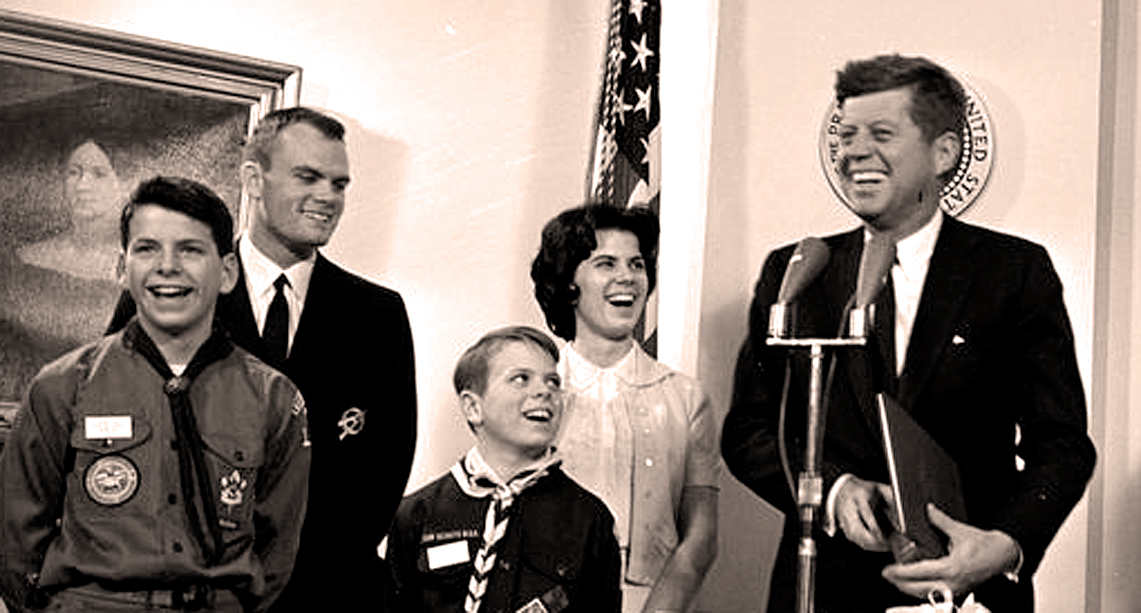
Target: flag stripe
[(625, 159)]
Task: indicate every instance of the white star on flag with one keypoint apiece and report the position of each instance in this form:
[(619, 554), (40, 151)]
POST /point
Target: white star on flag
[(644, 101), (636, 8), (644, 53)]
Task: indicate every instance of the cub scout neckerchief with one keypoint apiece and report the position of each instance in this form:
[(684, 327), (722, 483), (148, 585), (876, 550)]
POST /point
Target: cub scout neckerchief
[(191, 459), (478, 480)]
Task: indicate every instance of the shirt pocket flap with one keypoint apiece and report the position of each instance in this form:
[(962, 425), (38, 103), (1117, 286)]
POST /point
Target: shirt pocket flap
[(233, 452), (109, 434), (553, 564)]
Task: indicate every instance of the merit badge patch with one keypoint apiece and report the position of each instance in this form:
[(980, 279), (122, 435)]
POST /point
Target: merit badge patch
[(232, 488), (111, 480), (352, 422)]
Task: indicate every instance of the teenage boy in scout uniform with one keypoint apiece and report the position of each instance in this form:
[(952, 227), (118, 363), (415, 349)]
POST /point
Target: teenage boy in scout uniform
[(506, 529), (161, 466)]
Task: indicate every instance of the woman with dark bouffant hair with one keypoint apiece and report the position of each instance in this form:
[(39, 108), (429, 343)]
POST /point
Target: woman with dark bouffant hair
[(635, 432)]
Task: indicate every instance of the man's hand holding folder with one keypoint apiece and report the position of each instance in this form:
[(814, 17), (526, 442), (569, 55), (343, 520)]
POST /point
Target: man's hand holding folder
[(933, 545), (974, 556)]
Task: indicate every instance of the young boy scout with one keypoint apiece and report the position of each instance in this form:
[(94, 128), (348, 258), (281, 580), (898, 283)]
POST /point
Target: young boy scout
[(160, 467), (506, 529)]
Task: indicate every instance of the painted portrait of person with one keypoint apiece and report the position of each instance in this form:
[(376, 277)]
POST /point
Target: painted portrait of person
[(74, 147), (92, 197), (70, 258)]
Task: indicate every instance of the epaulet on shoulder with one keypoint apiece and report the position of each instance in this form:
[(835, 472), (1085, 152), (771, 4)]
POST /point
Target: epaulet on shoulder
[(86, 359), (429, 491), (261, 374), (590, 497)]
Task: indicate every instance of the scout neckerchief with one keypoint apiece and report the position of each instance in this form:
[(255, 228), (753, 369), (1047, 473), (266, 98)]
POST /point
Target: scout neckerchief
[(478, 480), (191, 459)]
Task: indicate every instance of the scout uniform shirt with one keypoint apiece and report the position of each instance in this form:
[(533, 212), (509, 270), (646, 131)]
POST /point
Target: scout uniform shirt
[(557, 553), (92, 490)]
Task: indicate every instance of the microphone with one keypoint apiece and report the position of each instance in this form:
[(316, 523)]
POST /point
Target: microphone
[(808, 259), (875, 265)]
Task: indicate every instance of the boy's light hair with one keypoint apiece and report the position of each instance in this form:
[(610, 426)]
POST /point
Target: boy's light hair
[(471, 369)]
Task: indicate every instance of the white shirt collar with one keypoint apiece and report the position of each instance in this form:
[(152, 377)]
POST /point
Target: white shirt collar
[(914, 252), (913, 257), (261, 272), (582, 373)]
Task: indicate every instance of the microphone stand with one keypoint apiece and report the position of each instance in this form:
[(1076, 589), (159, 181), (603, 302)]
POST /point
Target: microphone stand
[(810, 483)]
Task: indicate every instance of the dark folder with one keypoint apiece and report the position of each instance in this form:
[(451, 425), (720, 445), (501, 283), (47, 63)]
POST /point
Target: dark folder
[(921, 472)]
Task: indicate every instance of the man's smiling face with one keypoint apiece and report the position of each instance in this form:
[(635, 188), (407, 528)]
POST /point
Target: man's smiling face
[(302, 193), (886, 163)]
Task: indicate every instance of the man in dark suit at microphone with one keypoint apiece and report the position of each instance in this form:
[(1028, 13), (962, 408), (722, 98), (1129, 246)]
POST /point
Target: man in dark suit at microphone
[(971, 336)]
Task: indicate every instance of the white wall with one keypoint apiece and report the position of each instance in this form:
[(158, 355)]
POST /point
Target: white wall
[(470, 124), (1115, 536), (1037, 66)]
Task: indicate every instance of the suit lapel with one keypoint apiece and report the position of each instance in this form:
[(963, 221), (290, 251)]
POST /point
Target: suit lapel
[(237, 312), (856, 360), (315, 298), (944, 291)]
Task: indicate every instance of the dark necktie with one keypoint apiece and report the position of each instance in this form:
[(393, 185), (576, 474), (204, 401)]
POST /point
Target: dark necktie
[(885, 335), (194, 474), (276, 330)]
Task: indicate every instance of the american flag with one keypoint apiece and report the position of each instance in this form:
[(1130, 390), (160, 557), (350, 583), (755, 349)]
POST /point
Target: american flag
[(625, 163)]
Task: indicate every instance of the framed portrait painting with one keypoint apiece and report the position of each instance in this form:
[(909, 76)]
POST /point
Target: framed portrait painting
[(85, 115)]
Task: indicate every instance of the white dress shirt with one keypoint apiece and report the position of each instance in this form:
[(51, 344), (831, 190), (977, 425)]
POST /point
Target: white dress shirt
[(261, 272), (912, 258)]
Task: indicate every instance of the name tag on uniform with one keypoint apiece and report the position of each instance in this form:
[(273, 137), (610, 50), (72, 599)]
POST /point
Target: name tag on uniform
[(107, 427), (448, 555)]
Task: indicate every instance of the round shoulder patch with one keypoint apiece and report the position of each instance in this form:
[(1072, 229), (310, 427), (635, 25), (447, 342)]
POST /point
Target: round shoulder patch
[(111, 480)]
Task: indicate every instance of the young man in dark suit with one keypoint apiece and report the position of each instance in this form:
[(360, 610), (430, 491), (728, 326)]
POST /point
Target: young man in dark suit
[(979, 350), (345, 341)]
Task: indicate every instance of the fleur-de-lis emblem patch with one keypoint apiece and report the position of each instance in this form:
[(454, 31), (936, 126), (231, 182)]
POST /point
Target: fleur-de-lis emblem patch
[(232, 488)]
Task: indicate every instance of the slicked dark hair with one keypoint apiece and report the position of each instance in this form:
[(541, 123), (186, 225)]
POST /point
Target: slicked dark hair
[(471, 369), (569, 239), (938, 102), (260, 143), (185, 196)]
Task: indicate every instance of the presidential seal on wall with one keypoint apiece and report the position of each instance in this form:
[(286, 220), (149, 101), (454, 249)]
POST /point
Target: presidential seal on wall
[(111, 480), (975, 156)]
